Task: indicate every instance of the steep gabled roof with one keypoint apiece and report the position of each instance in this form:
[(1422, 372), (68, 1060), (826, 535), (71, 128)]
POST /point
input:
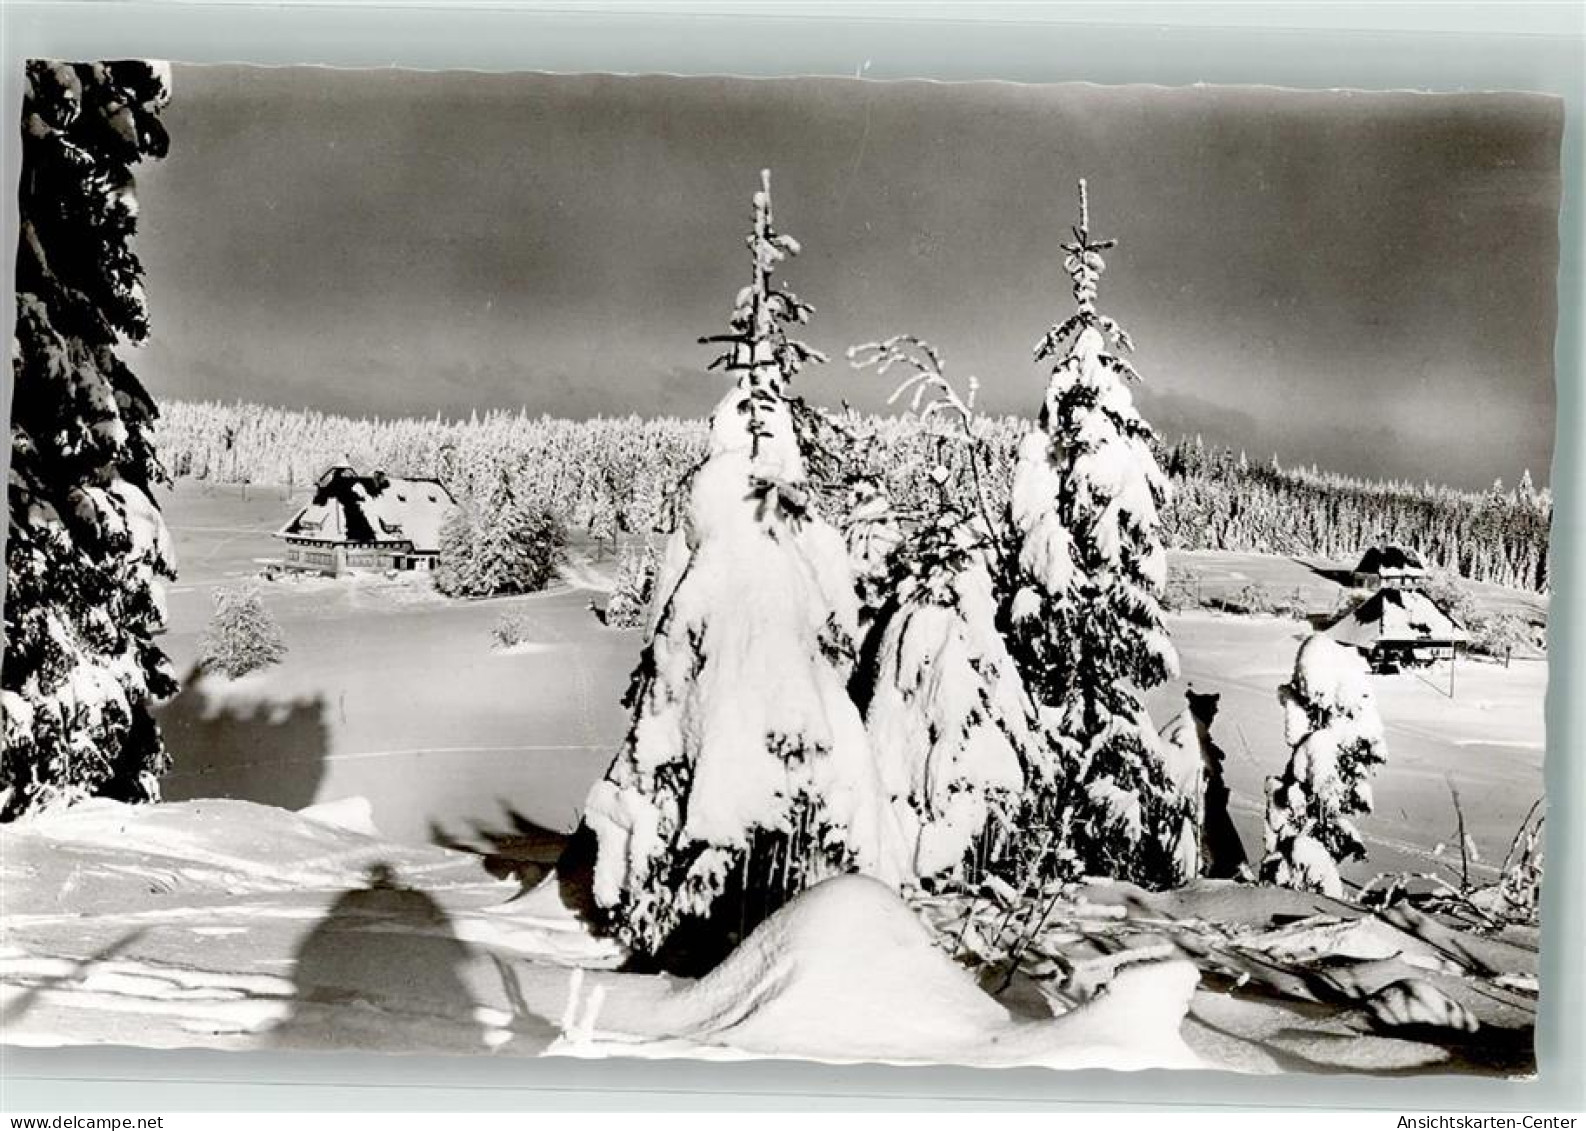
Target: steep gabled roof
[(1382, 559), (348, 507), (1396, 616)]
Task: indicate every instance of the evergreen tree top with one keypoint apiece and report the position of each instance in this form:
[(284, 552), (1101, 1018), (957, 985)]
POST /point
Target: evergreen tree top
[(759, 349), (1084, 265)]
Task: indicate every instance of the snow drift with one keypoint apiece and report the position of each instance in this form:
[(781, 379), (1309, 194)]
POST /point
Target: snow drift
[(846, 972)]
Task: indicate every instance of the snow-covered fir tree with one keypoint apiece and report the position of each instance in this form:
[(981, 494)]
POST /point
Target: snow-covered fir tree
[(1084, 617), (1335, 736), (955, 733), (633, 587), (87, 548), (1525, 491), (242, 636), (511, 544), (746, 775), (456, 566)]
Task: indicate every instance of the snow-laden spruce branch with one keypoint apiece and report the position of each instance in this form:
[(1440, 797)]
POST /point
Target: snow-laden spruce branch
[(88, 550), (930, 392), (947, 415)]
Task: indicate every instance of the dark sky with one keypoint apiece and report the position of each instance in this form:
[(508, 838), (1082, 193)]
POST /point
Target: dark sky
[(1364, 281)]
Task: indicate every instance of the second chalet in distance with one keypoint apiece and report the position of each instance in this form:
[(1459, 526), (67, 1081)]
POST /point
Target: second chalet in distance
[(1386, 566), (373, 522)]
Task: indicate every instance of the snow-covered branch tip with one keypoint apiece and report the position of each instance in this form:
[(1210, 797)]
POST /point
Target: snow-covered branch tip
[(927, 386)]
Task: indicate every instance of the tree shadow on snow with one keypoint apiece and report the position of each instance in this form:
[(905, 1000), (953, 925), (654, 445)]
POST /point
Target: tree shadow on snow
[(1488, 1052), (1338, 575), (527, 852), (382, 971), (516, 848), (270, 753), (19, 1006)]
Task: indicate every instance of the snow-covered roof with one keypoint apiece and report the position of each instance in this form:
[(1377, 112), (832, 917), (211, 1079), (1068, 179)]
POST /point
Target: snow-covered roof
[(1396, 616), (348, 507), (1390, 559)]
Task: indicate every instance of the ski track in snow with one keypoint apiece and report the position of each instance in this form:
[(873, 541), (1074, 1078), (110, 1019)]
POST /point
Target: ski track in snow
[(353, 756)]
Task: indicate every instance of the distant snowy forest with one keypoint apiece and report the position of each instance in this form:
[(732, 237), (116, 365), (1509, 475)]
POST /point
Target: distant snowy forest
[(615, 478)]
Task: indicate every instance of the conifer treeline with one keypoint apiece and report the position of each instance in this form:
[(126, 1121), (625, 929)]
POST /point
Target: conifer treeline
[(1222, 501), (611, 476)]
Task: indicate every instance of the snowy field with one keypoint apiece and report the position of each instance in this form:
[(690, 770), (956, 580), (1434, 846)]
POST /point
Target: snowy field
[(393, 694), (389, 691), (236, 924)]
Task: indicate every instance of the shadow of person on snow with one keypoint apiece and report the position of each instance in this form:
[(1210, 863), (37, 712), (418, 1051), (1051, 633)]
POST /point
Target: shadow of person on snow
[(269, 752), (382, 971)]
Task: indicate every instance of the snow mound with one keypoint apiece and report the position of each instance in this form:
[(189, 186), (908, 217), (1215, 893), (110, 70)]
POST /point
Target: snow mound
[(846, 972), (355, 814)]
